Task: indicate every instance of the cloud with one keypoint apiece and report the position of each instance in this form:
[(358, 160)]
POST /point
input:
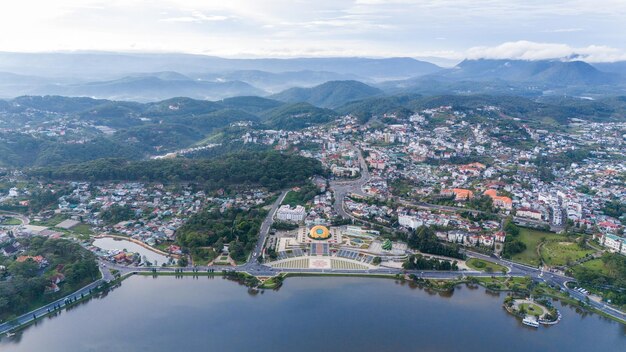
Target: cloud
[(527, 50), (196, 17), (283, 28), (566, 30)]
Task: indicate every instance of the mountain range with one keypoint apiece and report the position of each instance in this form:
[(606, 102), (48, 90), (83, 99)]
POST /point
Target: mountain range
[(323, 82)]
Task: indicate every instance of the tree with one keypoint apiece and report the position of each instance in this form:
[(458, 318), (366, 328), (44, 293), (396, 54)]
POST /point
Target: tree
[(425, 240), (26, 269)]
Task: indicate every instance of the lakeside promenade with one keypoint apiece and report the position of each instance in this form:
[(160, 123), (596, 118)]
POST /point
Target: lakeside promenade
[(253, 267)]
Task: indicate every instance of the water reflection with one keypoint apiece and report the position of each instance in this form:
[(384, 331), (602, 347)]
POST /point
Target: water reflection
[(109, 243), (377, 315)]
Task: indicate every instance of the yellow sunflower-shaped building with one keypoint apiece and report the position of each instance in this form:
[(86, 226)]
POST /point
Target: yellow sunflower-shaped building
[(319, 232)]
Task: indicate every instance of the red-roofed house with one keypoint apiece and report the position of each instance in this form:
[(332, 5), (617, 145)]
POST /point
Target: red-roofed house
[(608, 226), (460, 194), (499, 201)]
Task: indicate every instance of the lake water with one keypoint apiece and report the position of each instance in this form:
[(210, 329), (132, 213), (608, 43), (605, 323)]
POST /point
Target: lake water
[(109, 243), (306, 314)]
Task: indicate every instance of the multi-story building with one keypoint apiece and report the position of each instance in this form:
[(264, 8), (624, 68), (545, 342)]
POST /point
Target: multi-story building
[(529, 213), (613, 243), (286, 213)]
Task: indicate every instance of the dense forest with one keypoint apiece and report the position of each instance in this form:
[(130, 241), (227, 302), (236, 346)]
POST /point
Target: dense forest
[(212, 228), (117, 213), (26, 287), (297, 116), (269, 169), (418, 262), (512, 244), (424, 240)]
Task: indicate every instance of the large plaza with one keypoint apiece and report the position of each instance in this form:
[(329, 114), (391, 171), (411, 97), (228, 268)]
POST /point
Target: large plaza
[(343, 247)]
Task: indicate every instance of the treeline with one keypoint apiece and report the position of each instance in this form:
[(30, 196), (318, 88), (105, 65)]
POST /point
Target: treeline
[(297, 116), (614, 208), (612, 282), (18, 149), (302, 196), (512, 245), (212, 228), (424, 240), (41, 199), (27, 284), (418, 262), (269, 169)]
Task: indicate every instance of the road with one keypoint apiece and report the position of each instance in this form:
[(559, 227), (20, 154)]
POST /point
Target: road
[(60, 303), (25, 220), (341, 188), (550, 278), (265, 229), (257, 269), (253, 267)]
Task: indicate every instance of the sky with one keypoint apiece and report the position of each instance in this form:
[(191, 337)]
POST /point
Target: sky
[(594, 31)]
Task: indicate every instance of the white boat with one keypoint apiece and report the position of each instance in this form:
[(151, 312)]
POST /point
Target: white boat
[(530, 321), (10, 334)]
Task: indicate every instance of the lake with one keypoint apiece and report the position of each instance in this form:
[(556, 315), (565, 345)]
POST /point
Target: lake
[(109, 243), (306, 314)]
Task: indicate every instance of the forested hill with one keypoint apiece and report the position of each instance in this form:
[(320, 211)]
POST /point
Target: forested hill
[(268, 169), (48, 131), (330, 94)]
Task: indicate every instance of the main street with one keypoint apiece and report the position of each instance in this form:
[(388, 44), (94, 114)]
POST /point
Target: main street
[(264, 231), (344, 187)]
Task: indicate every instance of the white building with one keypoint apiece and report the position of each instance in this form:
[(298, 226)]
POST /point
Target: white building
[(529, 213), (613, 243), (557, 215), (286, 213), (409, 221), (574, 211)]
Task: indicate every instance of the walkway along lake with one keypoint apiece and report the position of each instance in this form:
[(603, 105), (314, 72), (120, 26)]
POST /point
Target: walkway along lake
[(307, 314)]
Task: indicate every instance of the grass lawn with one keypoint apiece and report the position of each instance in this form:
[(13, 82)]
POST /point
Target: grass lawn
[(11, 221), (53, 221), (293, 198), (562, 253), (201, 256), (531, 239), (82, 229), (532, 309), (212, 138), (484, 265), (505, 283), (164, 245), (595, 265)]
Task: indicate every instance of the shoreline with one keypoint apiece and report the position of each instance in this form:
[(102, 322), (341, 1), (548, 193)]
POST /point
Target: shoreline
[(137, 242), (423, 283)]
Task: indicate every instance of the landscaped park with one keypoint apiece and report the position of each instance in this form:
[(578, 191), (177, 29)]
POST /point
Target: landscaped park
[(549, 248), (483, 265)]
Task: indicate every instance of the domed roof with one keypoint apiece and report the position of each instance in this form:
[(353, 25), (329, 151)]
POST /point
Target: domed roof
[(319, 232)]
